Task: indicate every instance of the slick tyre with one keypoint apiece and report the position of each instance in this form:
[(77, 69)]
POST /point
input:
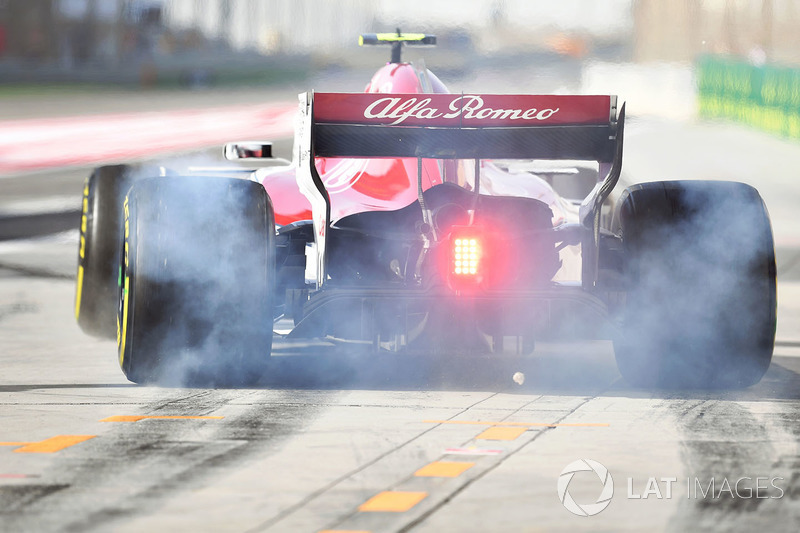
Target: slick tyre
[(198, 269), (701, 304), (99, 250)]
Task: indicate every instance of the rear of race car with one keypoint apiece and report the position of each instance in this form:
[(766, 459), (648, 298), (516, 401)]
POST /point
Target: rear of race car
[(461, 264), (427, 220)]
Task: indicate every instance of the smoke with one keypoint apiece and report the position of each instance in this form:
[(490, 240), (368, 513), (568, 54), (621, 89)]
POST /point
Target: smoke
[(202, 313), (199, 281), (701, 308), (700, 311), (203, 162)]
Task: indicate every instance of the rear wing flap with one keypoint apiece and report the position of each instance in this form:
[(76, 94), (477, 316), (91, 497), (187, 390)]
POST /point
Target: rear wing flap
[(464, 126)]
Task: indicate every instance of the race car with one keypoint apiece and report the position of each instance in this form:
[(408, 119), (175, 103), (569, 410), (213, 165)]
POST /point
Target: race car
[(412, 219)]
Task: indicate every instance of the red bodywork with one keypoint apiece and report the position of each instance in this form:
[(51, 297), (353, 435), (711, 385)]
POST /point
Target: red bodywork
[(357, 184)]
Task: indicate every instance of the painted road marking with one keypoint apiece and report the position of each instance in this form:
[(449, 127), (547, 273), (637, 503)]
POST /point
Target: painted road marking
[(501, 433), (526, 424), (471, 451), (136, 418), (443, 469), (54, 444), (392, 501)]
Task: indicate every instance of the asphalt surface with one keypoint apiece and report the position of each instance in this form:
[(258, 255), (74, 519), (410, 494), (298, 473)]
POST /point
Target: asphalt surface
[(332, 428), (341, 440)]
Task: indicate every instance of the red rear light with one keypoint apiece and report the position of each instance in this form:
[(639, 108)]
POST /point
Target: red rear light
[(467, 253), (466, 256)]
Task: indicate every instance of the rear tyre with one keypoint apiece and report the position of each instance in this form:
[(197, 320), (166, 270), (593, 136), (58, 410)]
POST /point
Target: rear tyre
[(196, 302), (701, 305), (99, 250)]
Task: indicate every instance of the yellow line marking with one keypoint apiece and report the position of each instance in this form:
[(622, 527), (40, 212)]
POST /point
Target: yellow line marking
[(526, 424), (393, 501), (79, 292), (54, 444), (136, 418), (15, 443), (444, 469), (501, 433)]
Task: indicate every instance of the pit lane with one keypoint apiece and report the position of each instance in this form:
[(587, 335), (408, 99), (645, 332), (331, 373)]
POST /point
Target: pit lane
[(342, 441), (333, 429)]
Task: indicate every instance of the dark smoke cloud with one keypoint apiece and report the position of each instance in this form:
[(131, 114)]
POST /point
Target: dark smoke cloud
[(203, 290), (695, 280)]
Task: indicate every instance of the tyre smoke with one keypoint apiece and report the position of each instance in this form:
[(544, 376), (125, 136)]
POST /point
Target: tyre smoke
[(700, 307)]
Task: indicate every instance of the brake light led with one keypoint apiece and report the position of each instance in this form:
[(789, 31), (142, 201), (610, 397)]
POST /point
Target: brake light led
[(466, 256)]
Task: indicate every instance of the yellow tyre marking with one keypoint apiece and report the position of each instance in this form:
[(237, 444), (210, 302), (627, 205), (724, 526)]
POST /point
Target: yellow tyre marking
[(123, 335), (82, 249), (501, 433), (54, 444), (124, 321), (127, 218), (444, 469), (136, 418), (392, 501), (79, 291), (85, 212)]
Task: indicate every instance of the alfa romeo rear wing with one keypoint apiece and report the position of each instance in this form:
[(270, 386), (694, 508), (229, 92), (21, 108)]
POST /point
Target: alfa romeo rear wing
[(465, 126)]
